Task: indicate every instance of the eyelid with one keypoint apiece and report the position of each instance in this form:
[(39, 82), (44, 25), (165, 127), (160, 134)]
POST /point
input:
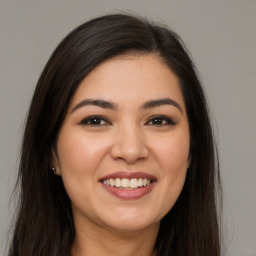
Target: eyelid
[(85, 121), (169, 121), (166, 119)]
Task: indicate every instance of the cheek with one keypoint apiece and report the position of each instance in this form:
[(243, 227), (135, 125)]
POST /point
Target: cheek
[(172, 157), (79, 153), (173, 154), (79, 158), (174, 163)]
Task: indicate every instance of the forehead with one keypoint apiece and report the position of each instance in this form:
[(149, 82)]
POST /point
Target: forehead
[(130, 79)]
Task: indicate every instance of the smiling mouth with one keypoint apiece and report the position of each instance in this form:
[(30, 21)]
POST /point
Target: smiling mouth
[(127, 184)]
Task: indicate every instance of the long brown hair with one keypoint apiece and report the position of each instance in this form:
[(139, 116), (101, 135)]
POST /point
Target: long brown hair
[(44, 224)]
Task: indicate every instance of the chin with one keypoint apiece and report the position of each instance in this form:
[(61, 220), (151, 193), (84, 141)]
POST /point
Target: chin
[(129, 222), (132, 226)]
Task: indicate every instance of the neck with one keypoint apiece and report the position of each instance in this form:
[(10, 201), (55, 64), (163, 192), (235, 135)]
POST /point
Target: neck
[(108, 242)]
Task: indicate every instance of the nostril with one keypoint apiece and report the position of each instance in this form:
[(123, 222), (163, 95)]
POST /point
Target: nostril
[(129, 150)]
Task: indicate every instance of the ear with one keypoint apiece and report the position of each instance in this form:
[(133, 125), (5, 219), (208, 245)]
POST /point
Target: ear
[(55, 161)]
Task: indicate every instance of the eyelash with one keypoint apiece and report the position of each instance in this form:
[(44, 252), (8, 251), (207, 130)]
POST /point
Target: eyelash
[(96, 119), (159, 121), (166, 120)]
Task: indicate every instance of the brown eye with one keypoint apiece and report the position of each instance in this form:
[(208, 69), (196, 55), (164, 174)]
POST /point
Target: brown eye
[(160, 120), (95, 121)]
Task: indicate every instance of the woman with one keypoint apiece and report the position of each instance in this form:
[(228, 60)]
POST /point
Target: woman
[(118, 154)]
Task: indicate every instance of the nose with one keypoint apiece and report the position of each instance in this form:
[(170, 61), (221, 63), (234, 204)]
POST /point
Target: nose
[(129, 145)]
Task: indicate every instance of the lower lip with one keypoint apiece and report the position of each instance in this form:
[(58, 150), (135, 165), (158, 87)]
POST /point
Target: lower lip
[(129, 194)]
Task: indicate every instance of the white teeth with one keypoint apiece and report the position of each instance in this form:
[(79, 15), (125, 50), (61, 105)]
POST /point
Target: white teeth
[(140, 182), (127, 183), (133, 183), (112, 182), (118, 183)]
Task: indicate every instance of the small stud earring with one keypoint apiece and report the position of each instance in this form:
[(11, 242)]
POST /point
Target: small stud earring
[(53, 170)]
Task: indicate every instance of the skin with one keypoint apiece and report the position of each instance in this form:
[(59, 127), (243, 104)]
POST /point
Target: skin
[(127, 138)]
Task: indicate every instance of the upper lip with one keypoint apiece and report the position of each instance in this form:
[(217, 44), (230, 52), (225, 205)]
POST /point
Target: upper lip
[(128, 175)]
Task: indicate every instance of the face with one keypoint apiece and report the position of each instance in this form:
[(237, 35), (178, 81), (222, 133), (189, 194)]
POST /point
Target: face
[(123, 147)]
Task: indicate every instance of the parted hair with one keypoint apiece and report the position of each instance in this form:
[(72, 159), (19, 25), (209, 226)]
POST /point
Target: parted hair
[(44, 225)]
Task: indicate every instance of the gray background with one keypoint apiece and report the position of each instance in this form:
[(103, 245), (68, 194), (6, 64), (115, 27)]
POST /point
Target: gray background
[(221, 36)]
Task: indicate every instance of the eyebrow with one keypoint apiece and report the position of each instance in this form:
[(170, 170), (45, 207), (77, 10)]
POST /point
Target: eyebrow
[(95, 102), (109, 105), (161, 102)]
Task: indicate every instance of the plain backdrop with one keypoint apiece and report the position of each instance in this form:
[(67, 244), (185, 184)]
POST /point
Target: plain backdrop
[(221, 36)]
